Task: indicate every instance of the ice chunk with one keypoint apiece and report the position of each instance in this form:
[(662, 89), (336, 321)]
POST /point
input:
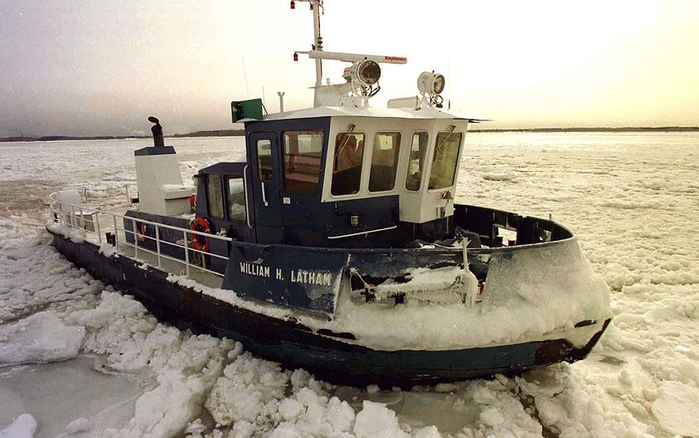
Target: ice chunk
[(502, 176), (246, 386), (375, 419), (24, 426), (42, 337), (676, 409), (79, 425)]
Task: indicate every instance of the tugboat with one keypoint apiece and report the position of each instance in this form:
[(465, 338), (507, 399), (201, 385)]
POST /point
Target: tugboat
[(338, 247)]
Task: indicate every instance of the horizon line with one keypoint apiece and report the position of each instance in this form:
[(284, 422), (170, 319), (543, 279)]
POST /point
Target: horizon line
[(240, 132)]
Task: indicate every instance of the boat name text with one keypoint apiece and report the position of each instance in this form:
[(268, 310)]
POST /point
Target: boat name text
[(318, 278)]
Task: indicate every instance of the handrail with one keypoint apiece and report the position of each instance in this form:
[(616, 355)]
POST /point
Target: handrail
[(361, 233), (247, 208), (75, 216), (562, 235)]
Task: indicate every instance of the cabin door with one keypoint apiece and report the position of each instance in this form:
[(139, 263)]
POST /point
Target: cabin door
[(266, 185)]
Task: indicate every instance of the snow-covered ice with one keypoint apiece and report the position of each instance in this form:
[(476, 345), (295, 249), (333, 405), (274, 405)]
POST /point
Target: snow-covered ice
[(78, 359), (23, 426), (42, 337)]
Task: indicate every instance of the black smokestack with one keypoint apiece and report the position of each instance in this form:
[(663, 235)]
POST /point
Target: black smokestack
[(157, 131)]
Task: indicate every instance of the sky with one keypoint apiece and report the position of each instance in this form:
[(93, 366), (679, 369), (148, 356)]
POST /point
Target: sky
[(70, 67)]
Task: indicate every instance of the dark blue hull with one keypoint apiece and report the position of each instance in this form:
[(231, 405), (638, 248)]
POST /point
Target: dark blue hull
[(297, 346)]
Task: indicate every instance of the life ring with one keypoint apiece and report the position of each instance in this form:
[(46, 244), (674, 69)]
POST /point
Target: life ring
[(200, 242), (141, 232)]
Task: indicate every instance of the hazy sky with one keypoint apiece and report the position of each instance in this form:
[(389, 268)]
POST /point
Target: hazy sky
[(101, 68)]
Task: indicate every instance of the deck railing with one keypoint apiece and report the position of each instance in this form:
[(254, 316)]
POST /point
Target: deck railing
[(104, 227)]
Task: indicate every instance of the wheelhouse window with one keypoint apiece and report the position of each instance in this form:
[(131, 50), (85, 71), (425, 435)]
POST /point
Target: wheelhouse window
[(384, 161), (264, 160), (347, 163), (416, 161), (302, 153), (236, 198), (445, 160), (214, 196)]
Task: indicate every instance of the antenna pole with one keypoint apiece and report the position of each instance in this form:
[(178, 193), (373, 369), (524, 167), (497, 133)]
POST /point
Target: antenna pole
[(245, 73), (316, 6), (281, 101)]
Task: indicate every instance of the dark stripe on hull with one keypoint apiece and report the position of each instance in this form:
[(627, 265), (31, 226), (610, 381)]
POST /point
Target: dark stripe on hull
[(296, 346)]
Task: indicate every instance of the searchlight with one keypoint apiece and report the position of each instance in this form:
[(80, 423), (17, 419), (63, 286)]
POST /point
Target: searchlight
[(364, 73), (431, 85)]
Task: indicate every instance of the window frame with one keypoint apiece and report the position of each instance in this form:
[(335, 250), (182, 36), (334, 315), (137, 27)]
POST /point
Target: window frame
[(396, 158), (209, 203), (287, 168), (227, 179), (423, 159), (356, 135), (260, 173), (456, 160)]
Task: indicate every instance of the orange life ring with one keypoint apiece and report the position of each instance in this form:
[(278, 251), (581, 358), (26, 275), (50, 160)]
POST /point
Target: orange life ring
[(203, 226), (141, 232)]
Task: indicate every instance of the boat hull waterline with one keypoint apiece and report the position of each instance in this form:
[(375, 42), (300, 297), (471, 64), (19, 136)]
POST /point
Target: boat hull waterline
[(295, 345)]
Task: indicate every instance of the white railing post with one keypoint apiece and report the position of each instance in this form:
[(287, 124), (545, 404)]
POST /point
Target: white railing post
[(98, 229), (157, 243), (186, 253), (116, 231), (135, 237), (72, 216)]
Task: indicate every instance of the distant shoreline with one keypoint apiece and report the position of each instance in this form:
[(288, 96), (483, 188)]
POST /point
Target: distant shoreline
[(623, 129), (241, 132), (215, 133)]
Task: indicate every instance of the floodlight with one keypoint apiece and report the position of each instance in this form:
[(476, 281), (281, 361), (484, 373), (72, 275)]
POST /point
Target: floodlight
[(430, 83), (364, 73)]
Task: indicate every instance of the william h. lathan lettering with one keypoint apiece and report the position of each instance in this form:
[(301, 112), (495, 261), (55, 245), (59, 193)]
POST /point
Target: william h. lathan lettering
[(253, 269), (318, 278)]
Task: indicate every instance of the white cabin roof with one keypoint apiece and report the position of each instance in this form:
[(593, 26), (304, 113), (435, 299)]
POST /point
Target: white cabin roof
[(396, 113)]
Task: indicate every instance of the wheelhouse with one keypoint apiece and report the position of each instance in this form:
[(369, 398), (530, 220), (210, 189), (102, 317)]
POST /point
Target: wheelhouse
[(339, 177)]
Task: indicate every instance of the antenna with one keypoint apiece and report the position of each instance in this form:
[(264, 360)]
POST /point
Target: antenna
[(281, 101), (245, 74), (316, 7), (449, 73)]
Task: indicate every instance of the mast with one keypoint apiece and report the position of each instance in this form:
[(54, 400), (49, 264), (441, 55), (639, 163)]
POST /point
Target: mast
[(362, 77), (316, 5), (317, 46)]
